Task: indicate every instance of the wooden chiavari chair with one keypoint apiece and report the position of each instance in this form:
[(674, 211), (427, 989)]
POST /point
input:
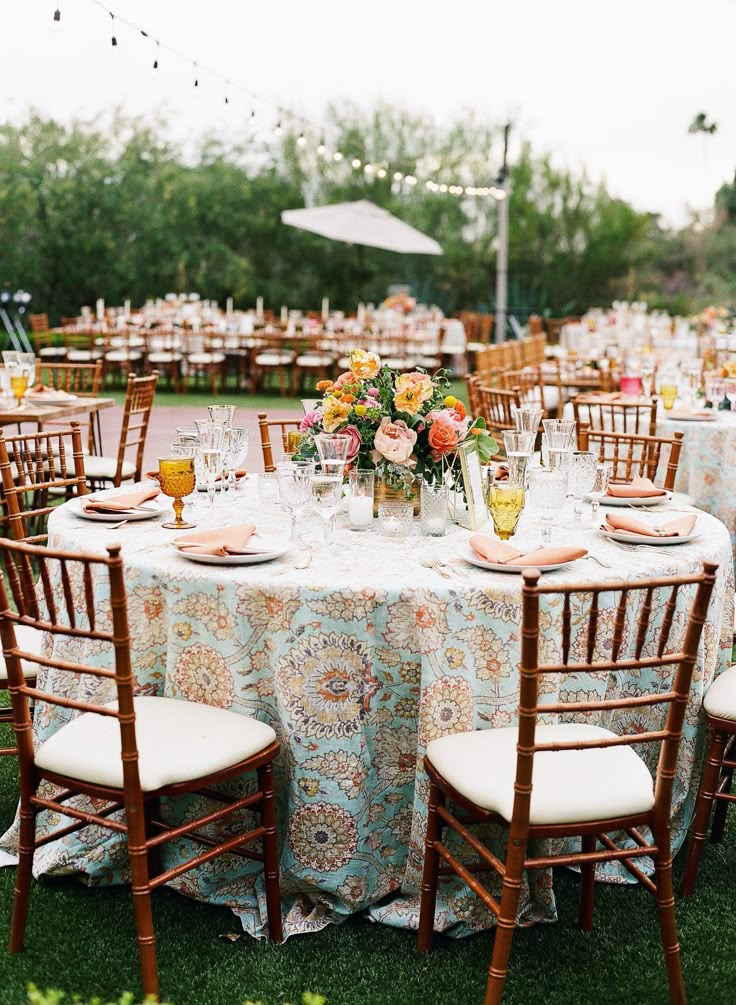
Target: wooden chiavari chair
[(128, 753), (82, 379), (534, 324), (486, 327), (204, 355), (37, 470), (529, 384), (123, 353), (532, 348), (475, 399), (82, 344), (274, 356), (265, 425), (616, 416), (572, 779), (632, 455), (497, 405), (311, 364), (164, 352), (40, 330), (720, 761), (139, 396)]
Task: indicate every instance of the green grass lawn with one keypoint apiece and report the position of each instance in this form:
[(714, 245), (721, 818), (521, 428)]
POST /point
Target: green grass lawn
[(83, 940)]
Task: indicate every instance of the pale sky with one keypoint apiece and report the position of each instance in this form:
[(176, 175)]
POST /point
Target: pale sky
[(609, 86)]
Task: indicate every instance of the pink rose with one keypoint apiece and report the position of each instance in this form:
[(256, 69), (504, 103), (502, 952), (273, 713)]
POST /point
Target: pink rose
[(372, 392), (395, 441), (345, 378), (355, 443), (311, 419)]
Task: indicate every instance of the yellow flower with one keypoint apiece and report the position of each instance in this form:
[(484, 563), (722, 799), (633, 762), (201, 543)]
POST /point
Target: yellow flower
[(412, 390), (334, 413), (360, 410), (364, 365)]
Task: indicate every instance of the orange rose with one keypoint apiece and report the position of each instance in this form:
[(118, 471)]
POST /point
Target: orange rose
[(348, 398), (324, 385), (442, 439), (460, 409)]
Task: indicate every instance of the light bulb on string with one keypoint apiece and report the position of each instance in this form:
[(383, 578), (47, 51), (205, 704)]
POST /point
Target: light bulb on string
[(381, 173), (196, 75), (57, 14), (277, 130), (337, 156), (356, 163), (112, 18), (301, 140), (321, 148), (398, 176), (155, 62)]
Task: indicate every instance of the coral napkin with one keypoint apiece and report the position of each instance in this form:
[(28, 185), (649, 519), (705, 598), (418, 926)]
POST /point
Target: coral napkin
[(680, 527), (501, 553), (637, 488), (121, 503), (220, 541)]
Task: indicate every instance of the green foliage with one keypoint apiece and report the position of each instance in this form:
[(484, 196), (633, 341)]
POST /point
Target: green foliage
[(116, 210)]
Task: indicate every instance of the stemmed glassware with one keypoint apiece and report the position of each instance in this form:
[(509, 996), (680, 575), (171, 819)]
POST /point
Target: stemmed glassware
[(582, 475), (527, 418), (547, 493), (519, 448), (326, 495), (295, 487), (333, 451), (506, 501), (668, 390), (600, 487), (222, 413), (715, 389), (236, 451), (177, 479), (18, 378), (731, 392), (211, 452), (647, 380)]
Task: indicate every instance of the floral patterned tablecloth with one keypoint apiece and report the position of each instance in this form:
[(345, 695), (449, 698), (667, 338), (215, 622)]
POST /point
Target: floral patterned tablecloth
[(358, 661), (707, 470)]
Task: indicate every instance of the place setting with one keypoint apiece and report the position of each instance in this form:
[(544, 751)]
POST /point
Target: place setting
[(115, 507)]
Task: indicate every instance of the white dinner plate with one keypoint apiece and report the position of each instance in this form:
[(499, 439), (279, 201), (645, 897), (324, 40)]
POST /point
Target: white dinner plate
[(626, 538), (470, 556), (252, 558), (45, 399), (148, 512), (704, 416), (636, 501)]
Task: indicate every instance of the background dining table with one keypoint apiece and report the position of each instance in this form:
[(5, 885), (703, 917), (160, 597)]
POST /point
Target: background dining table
[(36, 412), (358, 655)]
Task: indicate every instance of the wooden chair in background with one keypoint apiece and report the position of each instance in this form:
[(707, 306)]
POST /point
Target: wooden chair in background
[(529, 384), (139, 396), (497, 406), (631, 455), (265, 425), (588, 782), (616, 416), (82, 379), (45, 349), (128, 754)]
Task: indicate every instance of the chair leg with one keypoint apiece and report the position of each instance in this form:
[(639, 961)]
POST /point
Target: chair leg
[(721, 808), (23, 877), (587, 886), (505, 927), (270, 854), (138, 855), (666, 911), (702, 811), (430, 875)]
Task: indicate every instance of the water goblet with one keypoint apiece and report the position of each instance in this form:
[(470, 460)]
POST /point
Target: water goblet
[(176, 478), (333, 451), (295, 487), (731, 392), (519, 448), (326, 495), (236, 451), (527, 417), (582, 476), (600, 487), (211, 449), (715, 389), (222, 413), (547, 493), (647, 381), (268, 487), (506, 501)]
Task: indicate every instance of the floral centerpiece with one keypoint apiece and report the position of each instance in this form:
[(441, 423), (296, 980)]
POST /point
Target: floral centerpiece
[(406, 426)]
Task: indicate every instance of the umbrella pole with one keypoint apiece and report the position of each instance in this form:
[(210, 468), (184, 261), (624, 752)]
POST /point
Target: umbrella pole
[(502, 256)]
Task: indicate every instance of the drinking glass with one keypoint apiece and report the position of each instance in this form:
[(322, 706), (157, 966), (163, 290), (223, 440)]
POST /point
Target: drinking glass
[(647, 381), (222, 413), (295, 487), (547, 492), (581, 477), (236, 451), (731, 392), (211, 450), (527, 418), (600, 486), (519, 448), (293, 439), (360, 504), (506, 501), (715, 388), (395, 517), (326, 495), (333, 451), (18, 376), (28, 361), (176, 477), (268, 487), (668, 390), (433, 509)]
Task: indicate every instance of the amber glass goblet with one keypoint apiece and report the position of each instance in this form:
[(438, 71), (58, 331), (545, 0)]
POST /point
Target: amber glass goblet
[(176, 477)]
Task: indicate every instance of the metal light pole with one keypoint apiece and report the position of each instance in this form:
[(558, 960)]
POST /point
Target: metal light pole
[(502, 254)]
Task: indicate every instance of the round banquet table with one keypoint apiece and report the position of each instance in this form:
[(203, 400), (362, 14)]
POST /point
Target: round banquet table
[(707, 470), (358, 660)]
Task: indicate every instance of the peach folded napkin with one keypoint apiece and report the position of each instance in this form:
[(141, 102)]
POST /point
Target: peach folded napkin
[(637, 488), (122, 503), (51, 393), (502, 553), (680, 527), (219, 541)]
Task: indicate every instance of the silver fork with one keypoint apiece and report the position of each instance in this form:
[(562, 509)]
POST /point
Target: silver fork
[(433, 561), (428, 562), (600, 562)]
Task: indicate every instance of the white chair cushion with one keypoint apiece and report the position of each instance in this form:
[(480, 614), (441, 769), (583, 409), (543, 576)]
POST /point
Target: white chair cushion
[(569, 786), (205, 358), (164, 357), (123, 355), (28, 639), (551, 398), (429, 362), (52, 352), (100, 468), (274, 358), (314, 359), (720, 698), (343, 363), (178, 741)]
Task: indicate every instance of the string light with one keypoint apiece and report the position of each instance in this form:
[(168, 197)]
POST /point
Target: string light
[(410, 179), (398, 176), (57, 14), (381, 173), (155, 62), (321, 148), (301, 140), (337, 156), (277, 130), (112, 18), (196, 75), (355, 162)]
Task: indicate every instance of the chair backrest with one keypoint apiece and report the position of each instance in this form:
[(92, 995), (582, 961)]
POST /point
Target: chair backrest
[(39, 323), (497, 405), (475, 399), (265, 425), (618, 627), (616, 416), (82, 379), (632, 454), (36, 470), (139, 396), (78, 609), (528, 382), (534, 325)]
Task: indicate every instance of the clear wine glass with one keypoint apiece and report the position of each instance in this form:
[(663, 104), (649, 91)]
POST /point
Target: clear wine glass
[(715, 389), (600, 487), (295, 487), (236, 451), (731, 392), (326, 495), (333, 451), (222, 413), (581, 477), (547, 493), (211, 451)]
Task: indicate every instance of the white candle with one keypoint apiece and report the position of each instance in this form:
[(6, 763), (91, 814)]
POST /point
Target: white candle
[(229, 307), (100, 309), (325, 308), (284, 315), (434, 527), (360, 511), (126, 310), (259, 308), (361, 313)]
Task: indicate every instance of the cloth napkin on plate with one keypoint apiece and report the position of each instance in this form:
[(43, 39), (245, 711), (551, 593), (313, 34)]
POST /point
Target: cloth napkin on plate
[(501, 553), (121, 503), (233, 540), (637, 488), (680, 527), (52, 393)]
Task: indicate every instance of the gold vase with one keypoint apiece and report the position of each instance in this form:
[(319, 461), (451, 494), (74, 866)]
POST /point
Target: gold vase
[(383, 492)]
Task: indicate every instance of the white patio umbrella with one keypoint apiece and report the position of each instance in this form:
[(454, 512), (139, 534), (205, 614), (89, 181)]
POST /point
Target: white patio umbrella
[(362, 222)]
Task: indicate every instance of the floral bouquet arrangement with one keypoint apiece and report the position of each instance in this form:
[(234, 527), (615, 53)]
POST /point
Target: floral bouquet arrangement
[(404, 425)]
